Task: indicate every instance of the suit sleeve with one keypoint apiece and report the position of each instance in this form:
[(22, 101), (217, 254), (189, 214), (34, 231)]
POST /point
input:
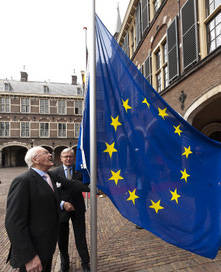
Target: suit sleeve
[(17, 221), (76, 186)]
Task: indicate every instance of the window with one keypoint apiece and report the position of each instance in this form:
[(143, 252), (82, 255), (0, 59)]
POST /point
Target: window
[(214, 33), (61, 107), (62, 130), (79, 91), (158, 80), (44, 106), (138, 23), (156, 5), (78, 107), (77, 130), (25, 105), (145, 14), (189, 33), (161, 58), (212, 5), (7, 86), (4, 129), (164, 65), (126, 45), (158, 59), (25, 132), (4, 104), (44, 129), (173, 50), (46, 89), (148, 70), (165, 77)]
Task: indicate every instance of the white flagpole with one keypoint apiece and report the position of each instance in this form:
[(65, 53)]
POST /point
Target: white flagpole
[(84, 75), (93, 146)]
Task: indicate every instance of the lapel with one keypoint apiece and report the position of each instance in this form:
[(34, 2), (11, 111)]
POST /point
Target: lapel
[(61, 170), (53, 180), (44, 183)]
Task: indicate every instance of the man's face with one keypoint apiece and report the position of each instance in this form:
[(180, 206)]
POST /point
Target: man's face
[(67, 158), (43, 160)]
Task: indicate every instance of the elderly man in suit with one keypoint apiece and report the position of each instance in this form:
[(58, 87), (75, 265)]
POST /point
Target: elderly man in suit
[(33, 211), (67, 169)]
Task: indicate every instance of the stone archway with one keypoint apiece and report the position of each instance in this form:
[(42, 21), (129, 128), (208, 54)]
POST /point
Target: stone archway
[(57, 152), (204, 113), (13, 156)]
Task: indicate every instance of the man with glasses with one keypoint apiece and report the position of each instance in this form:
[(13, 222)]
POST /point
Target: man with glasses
[(33, 211), (67, 169)]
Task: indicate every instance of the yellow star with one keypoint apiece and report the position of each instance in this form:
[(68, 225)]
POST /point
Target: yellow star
[(162, 112), (187, 152), (125, 105), (115, 123), (115, 176), (175, 196), (145, 102), (184, 175), (132, 196), (110, 149), (156, 206), (178, 130)]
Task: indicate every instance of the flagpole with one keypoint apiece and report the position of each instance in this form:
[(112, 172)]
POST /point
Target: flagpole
[(93, 146), (84, 73)]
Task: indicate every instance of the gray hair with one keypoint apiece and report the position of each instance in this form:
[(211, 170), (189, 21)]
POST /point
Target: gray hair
[(31, 153), (67, 149)]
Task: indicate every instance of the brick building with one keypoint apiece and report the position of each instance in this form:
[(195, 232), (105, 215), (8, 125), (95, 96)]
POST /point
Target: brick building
[(38, 113), (176, 45)]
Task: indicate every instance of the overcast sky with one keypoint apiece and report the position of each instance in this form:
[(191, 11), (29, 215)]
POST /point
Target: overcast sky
[(47, 36)]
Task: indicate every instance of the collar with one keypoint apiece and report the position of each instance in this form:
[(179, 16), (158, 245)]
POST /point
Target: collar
[(40, 172)]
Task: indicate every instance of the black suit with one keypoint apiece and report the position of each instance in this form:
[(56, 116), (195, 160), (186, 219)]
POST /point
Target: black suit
[(78, 221), (32, 218)]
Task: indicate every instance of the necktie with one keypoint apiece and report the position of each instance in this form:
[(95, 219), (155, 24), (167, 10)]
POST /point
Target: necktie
[(69, 173), (48, 179)]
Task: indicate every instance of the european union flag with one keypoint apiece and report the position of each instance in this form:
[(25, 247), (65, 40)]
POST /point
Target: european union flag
[(159, 172)]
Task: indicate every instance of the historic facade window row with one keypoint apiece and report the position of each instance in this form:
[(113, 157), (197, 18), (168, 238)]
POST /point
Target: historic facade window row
[(161, 72), (43, 129), (44, 106)]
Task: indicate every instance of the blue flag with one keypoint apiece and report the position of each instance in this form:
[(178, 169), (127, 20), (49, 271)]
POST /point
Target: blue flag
[(160, 172)]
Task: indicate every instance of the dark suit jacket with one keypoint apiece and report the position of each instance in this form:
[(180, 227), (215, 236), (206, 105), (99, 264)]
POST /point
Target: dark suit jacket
[(32, 216), (76, 199)]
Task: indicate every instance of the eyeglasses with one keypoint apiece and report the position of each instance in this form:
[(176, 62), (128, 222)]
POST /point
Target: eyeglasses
[(68, 157), (42, 153)]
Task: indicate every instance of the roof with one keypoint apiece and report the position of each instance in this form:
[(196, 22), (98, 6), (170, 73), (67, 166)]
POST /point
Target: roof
[(40, 88)]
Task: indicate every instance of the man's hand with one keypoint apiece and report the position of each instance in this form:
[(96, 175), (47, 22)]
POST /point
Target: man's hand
[(68, 207), (34, 265)]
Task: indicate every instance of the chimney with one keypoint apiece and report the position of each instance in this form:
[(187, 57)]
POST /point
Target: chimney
[(24, 76), (74, 80)]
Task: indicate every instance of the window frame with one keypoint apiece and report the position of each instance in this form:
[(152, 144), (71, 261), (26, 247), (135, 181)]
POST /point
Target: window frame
[(5, 107), (77, 124), (63, 129), (212, 18), (4, 129), (48, 106), (162, 60), (64, 112), (44, 136), (80, 108), (25, 136), (26, 106)]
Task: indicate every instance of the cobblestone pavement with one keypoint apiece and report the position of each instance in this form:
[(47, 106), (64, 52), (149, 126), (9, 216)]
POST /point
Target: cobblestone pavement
[(121, 247)]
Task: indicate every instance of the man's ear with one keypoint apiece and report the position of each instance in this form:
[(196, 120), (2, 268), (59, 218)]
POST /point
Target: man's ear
[(35, 160)]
